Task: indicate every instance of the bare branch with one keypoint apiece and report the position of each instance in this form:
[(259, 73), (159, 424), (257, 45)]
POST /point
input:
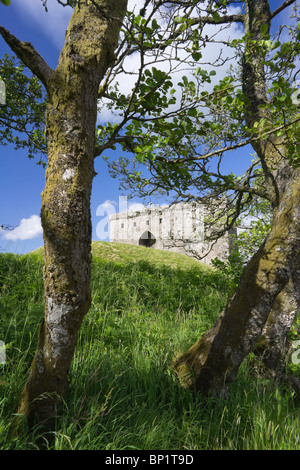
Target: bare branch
[(113, 141), (6, 227), (28, 55), (285, 4)]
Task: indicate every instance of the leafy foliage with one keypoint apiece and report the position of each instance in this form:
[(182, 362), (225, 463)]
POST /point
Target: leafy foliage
[(22, 119), (182, 135), (231, 268), (256, 230)]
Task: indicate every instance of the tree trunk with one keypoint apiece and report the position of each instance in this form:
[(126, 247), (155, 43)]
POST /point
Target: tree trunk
[(211, 363), (274, 345), (91, 39)]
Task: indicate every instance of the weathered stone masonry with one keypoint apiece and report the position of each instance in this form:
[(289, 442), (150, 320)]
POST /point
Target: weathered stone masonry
[(178, 228)]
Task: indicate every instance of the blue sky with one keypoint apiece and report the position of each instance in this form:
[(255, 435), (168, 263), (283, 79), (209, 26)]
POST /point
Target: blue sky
[(21, 180)]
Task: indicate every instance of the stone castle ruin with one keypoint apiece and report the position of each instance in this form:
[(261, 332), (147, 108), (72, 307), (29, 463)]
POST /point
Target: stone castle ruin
[(179, 228)]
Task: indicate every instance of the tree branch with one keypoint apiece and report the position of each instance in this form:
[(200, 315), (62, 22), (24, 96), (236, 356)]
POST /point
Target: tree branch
[(285, 4), (232, 147), (238, 18), (110, 144), (28, 55)]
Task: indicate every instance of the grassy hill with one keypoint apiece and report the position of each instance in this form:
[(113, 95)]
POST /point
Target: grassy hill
[(147, 306)]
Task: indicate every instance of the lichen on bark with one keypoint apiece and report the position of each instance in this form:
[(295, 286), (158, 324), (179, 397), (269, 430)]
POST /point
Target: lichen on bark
[(91, 39)]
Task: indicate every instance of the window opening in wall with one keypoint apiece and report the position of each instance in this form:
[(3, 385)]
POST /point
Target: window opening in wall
[(147, 239)]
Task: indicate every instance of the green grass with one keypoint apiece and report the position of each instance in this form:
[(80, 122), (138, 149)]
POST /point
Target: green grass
[(147, 307)]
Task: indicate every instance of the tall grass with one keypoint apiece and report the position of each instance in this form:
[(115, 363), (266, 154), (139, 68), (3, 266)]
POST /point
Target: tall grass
[(147, 307)]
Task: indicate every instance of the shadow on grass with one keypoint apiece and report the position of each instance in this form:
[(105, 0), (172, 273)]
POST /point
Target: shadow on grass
[(122, 394), (123, 407)]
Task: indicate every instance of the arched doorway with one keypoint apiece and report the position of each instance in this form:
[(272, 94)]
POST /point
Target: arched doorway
[(147, 239)]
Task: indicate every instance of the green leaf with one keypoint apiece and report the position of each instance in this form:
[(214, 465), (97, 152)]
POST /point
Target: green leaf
[(179, 19), (5, 2), (137, 19), (154, 24), (196, 56), (215, 16), (192, 112), (264, 29)]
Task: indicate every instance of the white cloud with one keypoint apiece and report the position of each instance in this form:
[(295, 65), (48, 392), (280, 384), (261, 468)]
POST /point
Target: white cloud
[(28, 228), (108, 203), (53, 23), (107, 207), (210, 54), (112, 207), (136, 206), (135, 5)]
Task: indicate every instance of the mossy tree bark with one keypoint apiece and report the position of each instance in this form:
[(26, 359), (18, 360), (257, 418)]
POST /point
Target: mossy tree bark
[(274, 345), (267, 292), (213, 362), (91, 39)]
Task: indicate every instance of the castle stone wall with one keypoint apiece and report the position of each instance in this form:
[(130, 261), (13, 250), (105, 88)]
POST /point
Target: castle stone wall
[(179, 228)]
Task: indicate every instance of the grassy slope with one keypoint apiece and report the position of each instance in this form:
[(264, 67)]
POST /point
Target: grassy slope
[(147, 306)]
